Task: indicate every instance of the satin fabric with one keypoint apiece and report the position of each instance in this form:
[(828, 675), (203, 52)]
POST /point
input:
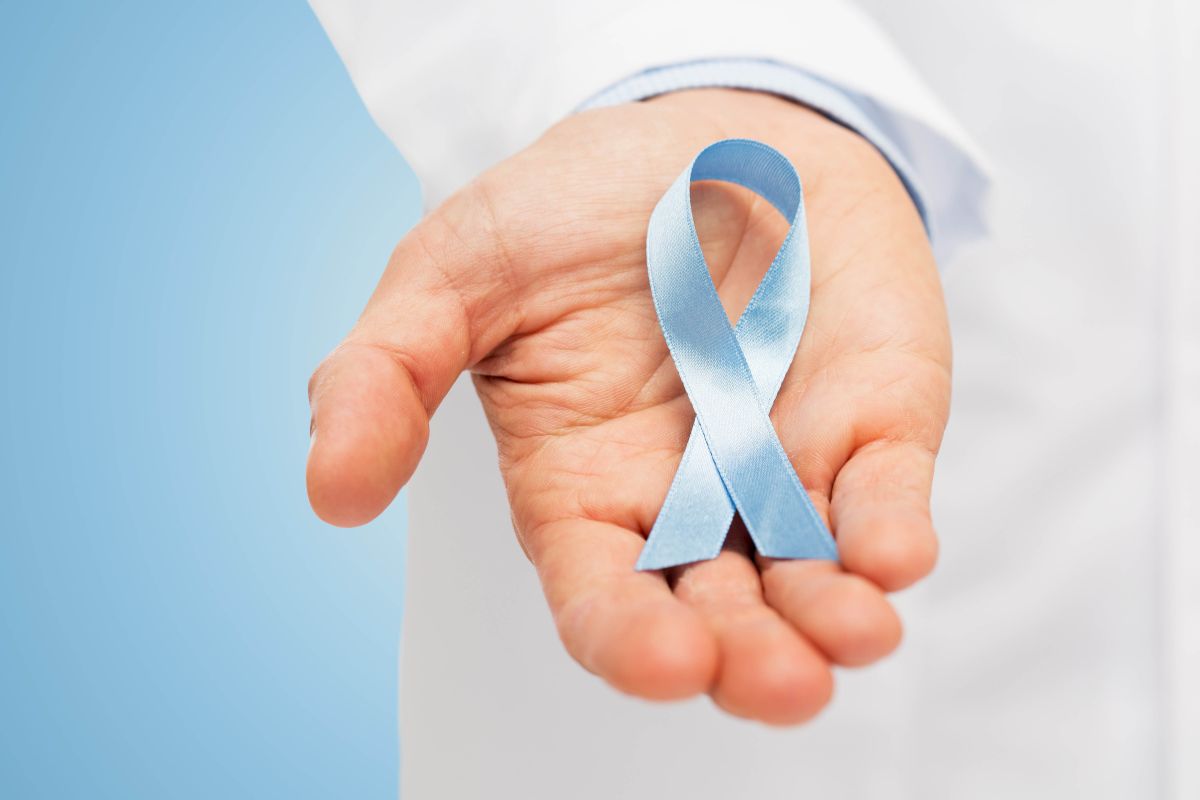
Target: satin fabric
[(733, 459)]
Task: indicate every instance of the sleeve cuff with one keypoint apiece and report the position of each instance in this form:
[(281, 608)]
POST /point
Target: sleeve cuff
[(947, 182)]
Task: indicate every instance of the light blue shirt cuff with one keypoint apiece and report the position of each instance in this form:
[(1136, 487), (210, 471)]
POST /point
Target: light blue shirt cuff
[(842, 106)]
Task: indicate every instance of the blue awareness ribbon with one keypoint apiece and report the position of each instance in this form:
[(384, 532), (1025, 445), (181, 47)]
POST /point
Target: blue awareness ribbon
[(733, 460)]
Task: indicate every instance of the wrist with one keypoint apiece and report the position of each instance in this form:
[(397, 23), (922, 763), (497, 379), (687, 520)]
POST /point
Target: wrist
[(823, 149)]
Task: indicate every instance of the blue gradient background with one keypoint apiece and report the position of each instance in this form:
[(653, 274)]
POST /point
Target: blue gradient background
[(194, 207)]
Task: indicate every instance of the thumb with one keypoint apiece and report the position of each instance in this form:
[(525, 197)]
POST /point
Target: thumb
[(444, 302)]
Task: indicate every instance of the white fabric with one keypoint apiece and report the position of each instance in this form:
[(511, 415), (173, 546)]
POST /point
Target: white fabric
[(458, 85), (1056, 652)]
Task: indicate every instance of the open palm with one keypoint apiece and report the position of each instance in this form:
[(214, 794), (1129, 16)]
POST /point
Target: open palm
[(534, 278)]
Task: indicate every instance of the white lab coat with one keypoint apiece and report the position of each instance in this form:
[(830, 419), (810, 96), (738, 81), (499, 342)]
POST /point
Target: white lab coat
[(1056, 651)]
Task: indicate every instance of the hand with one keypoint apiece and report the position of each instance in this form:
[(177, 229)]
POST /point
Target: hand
[(534, 278)]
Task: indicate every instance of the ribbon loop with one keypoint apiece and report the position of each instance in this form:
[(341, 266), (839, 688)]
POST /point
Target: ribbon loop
[(733, 460)]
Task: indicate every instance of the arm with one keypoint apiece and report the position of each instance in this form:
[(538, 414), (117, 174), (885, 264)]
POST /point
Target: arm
[(533, 278)]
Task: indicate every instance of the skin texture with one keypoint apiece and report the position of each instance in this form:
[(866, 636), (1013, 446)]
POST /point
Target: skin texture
[(534, 278)]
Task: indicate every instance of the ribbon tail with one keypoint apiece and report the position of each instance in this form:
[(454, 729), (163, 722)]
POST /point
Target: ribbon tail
[(806, 539), (696, 515)]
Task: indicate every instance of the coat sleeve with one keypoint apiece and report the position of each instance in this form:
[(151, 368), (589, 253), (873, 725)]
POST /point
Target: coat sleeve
[(460, 84)]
